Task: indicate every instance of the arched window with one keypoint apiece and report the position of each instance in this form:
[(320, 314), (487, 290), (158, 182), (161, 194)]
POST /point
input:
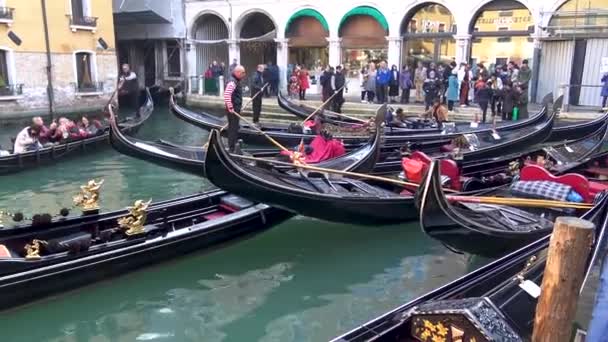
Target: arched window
[(580, 17), (257, 33), (427, 32), (86, 72), (307, 31), (501, 33)]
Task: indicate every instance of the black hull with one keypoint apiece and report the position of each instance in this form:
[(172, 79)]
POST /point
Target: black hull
[(29, 160), (464, 231), (371, 210), (37, 282)]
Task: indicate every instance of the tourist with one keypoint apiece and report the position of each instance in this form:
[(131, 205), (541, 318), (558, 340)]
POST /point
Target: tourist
[(453, 94), (27, 140), (464, 77), (294, 83), (509, 98), (419, 78), (604, 91), (383, 76), (405, 83), (274, 79), (326, 84), (483, 94), (304, 83), (521, 92), (525, 73), (339, 84), (393, 84), (233, 100), (86, 129), (232, 66), (432, 67), (370, 85), (496, 101), (513, 71), (222, 69), (482, 73), (257, 83), (362, 81), (128, 86), (216, 70), (431, 89), (438, 112), (398, 119), (267, 75)]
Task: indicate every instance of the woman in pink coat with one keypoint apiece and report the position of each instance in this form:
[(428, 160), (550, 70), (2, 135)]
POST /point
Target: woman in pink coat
[(304, 84)]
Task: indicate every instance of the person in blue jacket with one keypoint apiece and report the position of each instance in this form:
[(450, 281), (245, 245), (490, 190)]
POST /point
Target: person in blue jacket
[(383, 77), (604, 91)]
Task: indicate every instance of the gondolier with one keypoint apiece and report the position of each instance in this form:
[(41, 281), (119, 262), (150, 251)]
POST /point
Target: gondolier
[(233, 99)]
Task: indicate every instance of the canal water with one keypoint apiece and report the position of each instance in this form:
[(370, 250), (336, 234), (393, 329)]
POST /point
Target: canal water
[(303, 280)]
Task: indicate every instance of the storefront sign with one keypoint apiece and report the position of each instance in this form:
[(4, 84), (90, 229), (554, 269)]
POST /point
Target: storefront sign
[(504, 21), (604, 65)]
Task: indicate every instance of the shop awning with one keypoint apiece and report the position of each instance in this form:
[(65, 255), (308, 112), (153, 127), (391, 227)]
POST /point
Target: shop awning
[(369, 11), (308, 12)]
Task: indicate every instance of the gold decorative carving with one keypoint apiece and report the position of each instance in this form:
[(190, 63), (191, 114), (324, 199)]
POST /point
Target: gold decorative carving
[(135, 221), (32, 251), (88, 198)]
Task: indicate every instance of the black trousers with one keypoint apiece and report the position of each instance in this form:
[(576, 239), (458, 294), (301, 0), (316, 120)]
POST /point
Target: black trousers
[(405, 96), (338, 101), (382, 94), (370, 96), (233, 130), (302, 94), (496, 106), (604, 101), (256, 105), (450, 105), (484, 110)]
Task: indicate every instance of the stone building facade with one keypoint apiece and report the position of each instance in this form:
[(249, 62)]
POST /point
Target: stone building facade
[(317, 33), (81, 47)]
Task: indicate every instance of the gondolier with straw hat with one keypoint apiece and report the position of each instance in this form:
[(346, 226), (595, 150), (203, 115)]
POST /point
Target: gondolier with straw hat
[(233, 99)]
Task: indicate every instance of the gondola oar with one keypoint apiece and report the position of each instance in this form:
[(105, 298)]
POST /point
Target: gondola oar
[(323, 105), (523, 202)]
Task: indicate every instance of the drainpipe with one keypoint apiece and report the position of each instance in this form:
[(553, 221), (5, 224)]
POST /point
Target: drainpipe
[(49, 63)]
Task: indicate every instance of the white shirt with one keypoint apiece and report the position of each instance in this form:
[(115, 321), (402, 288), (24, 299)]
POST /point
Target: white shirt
[(22, 140), (130, 77)]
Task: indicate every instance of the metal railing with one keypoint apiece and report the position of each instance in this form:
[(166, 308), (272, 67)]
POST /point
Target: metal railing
[(83, 21), (11, 90), (95, 87), (206, 86), (565, 89), (6, 13)]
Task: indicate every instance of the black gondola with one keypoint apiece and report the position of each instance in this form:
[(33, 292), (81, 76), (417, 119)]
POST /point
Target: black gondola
[(72, 252), (484, 229), (285, 135), (192, 159), (562, 130), (27, 160), (344, 200), (487, 304)]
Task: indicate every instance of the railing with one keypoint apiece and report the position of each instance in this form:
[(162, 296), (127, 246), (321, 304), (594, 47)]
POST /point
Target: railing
[(565, 89), (6, 13), (11, 90), (83, 21), (88, 87)]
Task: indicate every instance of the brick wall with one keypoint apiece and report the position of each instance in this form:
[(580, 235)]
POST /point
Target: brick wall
[(30, 70)]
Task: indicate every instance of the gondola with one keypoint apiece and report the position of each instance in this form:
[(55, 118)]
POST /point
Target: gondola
[(343, 200), (493, 230), (41, 260), (291, 136), (562, 130), (28, 160), (192, 159), (487, 304)]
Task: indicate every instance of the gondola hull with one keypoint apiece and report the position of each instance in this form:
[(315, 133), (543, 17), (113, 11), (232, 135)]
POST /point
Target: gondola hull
[(40, 278), (28, 160), (373, 207)]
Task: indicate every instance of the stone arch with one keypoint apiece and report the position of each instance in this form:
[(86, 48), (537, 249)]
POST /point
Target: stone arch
[(483, 5), (247, 15), (415, 8), (212, 28), (256, 31), (206, 14)]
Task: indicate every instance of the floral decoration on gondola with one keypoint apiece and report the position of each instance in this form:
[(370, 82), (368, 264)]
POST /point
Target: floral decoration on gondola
[(134, 222)]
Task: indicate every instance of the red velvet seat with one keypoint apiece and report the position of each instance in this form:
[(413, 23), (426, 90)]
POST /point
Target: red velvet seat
[(579, 183), (447, 167)]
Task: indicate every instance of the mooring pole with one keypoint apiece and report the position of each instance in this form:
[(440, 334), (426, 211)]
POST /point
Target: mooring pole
[(564, 272)]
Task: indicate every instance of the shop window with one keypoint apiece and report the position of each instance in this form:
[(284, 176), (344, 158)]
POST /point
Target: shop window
[(441, 27), (174, 61)]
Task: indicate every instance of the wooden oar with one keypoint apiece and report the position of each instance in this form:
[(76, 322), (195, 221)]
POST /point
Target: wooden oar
[(519, 202), (323, 105)]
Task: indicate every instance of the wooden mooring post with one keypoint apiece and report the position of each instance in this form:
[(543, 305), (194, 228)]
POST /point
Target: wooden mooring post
[(564, 272)]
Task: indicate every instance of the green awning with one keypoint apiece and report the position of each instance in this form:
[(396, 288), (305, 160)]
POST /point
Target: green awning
[(367, 10), (308, 12)]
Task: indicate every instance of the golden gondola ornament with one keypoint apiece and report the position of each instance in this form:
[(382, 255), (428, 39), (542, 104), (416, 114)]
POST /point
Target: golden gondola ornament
[(133, 224), (32, 251), (88, 198)]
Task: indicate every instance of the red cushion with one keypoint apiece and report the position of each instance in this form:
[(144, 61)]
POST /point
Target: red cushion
[(578, 182), (214, 215), (421, 156), (4, 252), (597, 187), (450, 168), (414, 169), (447, 148)]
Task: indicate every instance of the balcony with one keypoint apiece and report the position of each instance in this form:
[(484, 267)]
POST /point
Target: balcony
[(6, 16), (11, 92), (88, 89), (83, 23)]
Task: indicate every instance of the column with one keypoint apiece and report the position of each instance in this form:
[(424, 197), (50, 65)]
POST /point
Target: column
[(394, 51), (535, 65), (234, 51), (282, 61), (335, 53), (463, 48), (191, 66)]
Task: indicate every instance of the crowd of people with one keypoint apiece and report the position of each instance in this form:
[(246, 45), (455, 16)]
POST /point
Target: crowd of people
[(270, 74), (38, 135)]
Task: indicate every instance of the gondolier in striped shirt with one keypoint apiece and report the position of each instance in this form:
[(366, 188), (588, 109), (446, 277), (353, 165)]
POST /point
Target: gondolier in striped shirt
[(233, 99)]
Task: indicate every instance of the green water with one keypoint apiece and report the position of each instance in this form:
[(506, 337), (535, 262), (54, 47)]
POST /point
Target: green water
[(304, 280)]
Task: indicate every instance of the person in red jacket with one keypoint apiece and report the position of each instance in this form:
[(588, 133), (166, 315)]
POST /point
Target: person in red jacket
[(304, 84)]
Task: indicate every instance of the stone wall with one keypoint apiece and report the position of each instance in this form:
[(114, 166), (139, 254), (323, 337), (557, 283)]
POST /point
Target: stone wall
[(30, 70)]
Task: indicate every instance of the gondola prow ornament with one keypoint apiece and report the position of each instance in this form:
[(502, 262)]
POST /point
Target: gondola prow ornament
[(135, 221), (88, 198)]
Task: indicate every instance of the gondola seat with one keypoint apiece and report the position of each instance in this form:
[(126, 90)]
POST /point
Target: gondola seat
[(74, 243), (579, 183), (448, 168), (234, 203)]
